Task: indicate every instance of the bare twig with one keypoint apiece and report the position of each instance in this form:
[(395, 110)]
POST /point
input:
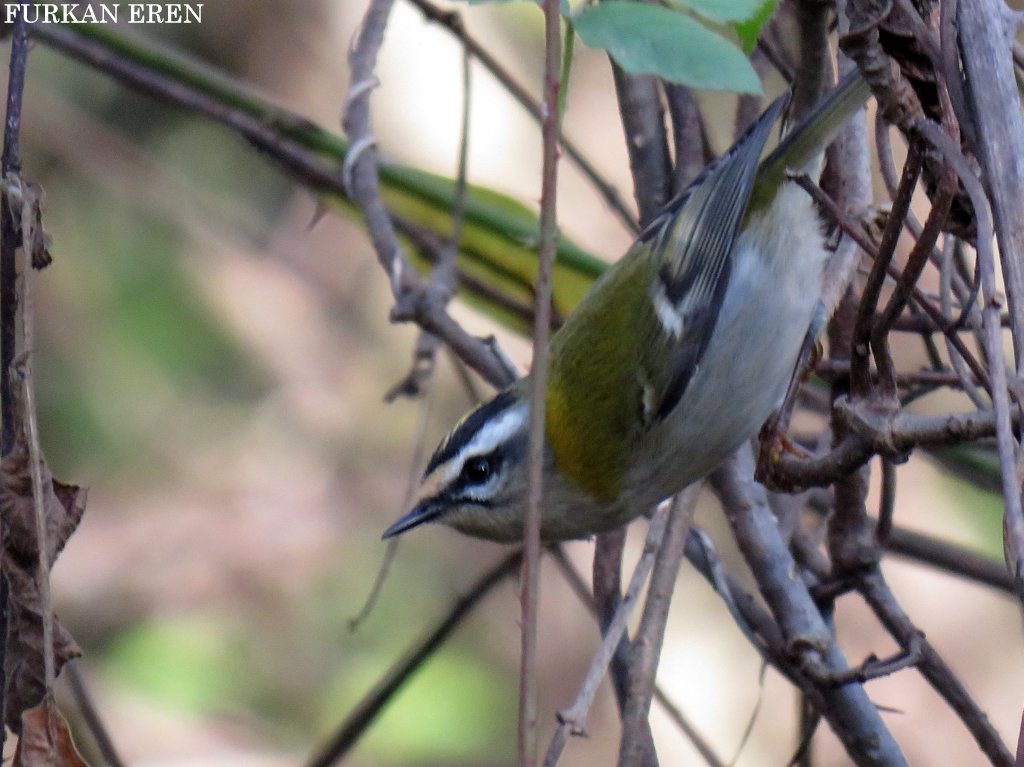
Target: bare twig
[(986, 32), (10, 165), (879, 433), (642, 115), (528, 743), (935, 315), (931, 665), (846, 179), (86, 706), (647, 643), (607, 579), (643, 121), (579, 587), (949, 558), (848, 709), (444, 277), (573, 719), (1013, 515), (887, 501), (414, 300), (367, 710), (916, 262), (859, 377), (391, 549), (452, 21), (689, 135)]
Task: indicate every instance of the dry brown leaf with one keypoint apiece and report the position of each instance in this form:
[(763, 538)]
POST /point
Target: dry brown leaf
[(25, 201), (45, 739), (63, 508), (37, 242)]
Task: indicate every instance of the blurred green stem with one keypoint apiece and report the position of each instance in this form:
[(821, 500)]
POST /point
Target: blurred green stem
[(499, 241)]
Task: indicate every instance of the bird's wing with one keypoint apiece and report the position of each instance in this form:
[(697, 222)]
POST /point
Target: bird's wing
[(690, 247)]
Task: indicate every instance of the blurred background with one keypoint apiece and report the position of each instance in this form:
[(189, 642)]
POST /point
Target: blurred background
[(211, 357)]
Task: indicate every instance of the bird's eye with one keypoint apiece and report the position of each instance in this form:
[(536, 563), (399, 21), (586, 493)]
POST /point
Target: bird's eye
[(477, 470)]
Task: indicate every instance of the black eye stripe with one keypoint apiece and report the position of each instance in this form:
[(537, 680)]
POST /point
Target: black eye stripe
[(468, 428), (478, 469)]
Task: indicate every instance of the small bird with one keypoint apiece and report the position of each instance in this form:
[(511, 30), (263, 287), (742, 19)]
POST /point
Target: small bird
[(676, 355)]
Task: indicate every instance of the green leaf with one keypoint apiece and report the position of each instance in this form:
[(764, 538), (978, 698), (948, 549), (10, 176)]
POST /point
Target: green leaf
[(564, 6), (723, 11), (649, 39), (750, 29)]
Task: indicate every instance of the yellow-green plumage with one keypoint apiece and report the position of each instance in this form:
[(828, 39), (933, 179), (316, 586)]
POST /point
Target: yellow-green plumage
[(603, 386)]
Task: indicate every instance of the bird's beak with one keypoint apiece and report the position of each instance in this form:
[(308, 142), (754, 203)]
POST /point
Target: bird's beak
[(426, 510)]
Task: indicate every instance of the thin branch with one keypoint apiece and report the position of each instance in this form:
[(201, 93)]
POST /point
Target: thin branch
[(949, 558), (937, 319), (414, 300), (453, 22), (985, 35), (573, 719), (849, 711), (689, 135), (643, 122), (634, 744), (607, 579), (931, 665), (444, 277), (579, 588), (530, 595), (10, 164), (887, 500), (367, 710), (916, 262), (846, 179), (91, 715), (874, 433), (859, 377), (1009, 449)]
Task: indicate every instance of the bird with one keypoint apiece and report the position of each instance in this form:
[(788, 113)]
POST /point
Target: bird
[(677, 354)]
